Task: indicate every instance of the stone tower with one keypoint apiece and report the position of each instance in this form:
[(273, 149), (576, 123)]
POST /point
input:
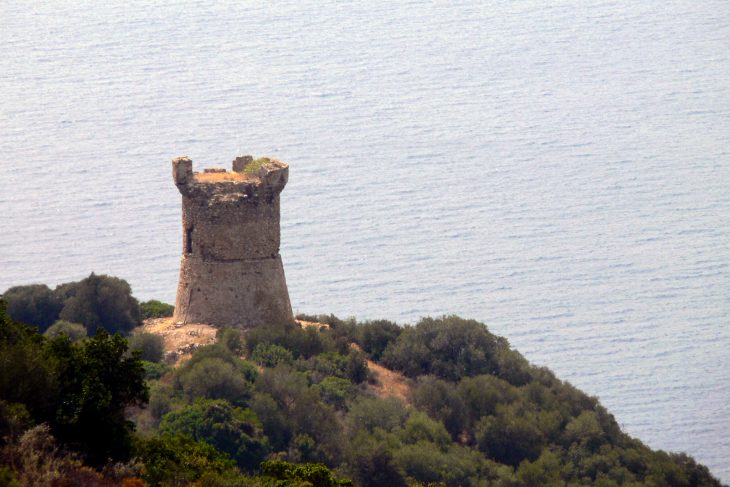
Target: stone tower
[(231, 272)]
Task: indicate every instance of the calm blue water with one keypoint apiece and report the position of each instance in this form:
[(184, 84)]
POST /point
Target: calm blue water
[(559, 170)]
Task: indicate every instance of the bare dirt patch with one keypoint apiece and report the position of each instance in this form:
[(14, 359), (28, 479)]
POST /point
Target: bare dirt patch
[(180, 340), (389, 383), (216, 177), (312, 324)]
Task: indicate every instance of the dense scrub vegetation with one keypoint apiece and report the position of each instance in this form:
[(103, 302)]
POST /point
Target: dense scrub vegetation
[(286, 406), (155, 309), (96, 301)]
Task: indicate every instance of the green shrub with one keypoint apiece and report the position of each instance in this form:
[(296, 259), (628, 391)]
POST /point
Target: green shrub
[(585, 430), (217, 350), (317, 475), (512, 435), (81, 389), (178, 460), (511, 365), (213, 372), (372, 462), (419, 427), (253, 167), (34, 305), (155, 370), (231, 339), (543, 471), (14, 420), (233, 478), (303, 410), (74, 331), (352, 366), (271, 355), (98, 381), (429, 464), (448, 347), (8, 478), (28, 373), (160, 399), (481, 394), (343, 332), (336, 391), (300, 342), (369, 413), (155, 309), (357, 367), (232, 430), (439, 399), (375, 336), (150, 346), (278, 426), (214, 378), (323, 365)]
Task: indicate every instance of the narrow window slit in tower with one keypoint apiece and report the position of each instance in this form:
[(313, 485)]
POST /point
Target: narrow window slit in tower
[(189, 240)]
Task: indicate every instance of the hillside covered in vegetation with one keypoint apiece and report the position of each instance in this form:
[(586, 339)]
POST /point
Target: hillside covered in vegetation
[(293, 406)]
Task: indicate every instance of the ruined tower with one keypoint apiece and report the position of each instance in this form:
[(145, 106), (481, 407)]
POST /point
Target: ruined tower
[(231, 272)]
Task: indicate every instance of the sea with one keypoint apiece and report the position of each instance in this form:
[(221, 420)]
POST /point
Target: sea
[(558, 170)]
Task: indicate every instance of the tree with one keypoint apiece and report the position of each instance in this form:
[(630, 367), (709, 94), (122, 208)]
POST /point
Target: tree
[(351, 366), (34, 305), (377, 335), (419, 427), (512, 366), (231, 339), (74, 331), (585, 430), (232, 430), (481, 395), (214, 372), (305, 413), (316, 475), (277, 425), (372, 463), (369, 413), (510, 436), (440, 401), (214, 378), (357, 367), (178, 460), (101, 301), (14, 420), (221, 351), (270, 355), (449, 347), (27, 370), (81, 389), (543, 471), (429, 464), (97, 381), (336, 391), (150, 346), (155, 309), (301, 342)]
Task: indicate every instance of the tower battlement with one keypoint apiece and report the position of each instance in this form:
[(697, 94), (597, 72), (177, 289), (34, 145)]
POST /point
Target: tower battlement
[(231, 272), (264, 172)]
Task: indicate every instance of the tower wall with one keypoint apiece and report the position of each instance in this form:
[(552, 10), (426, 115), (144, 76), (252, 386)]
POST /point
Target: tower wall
[(231, 273)]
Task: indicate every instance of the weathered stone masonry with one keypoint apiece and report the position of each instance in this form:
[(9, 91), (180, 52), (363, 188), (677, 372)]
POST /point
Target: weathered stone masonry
[(231, 272)]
